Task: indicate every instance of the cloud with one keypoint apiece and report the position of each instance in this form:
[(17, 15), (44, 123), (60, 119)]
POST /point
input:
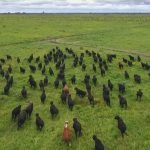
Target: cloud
[(75, 5)]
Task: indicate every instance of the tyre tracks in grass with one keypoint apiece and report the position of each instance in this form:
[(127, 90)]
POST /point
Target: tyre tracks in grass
[(61, 40)]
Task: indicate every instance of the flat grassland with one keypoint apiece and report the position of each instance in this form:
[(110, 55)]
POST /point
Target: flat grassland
[(122, 34)]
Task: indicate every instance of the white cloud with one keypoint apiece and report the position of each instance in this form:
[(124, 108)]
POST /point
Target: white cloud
[(75, 5)]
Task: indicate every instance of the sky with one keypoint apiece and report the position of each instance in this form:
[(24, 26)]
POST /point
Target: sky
[(75, 6)]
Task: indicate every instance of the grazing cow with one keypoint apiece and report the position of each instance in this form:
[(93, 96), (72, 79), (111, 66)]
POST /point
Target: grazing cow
[(43, 97), (32, 68), (139, 94), (39, 122), (32, 81), (51, 71), (22, 70), (56, 83), (110, 85), (77, 127), (24, 92), (9, 57), (126, 75), (10, 81), (73, 79), (40, 66), (120, 65), (15, 112), (79, 92), (10, 69), (121, 125), (70, 102), (98, 144), (66, 89), (46, 81), (106, 99), (94, 67), (139, 58), (137, 78), (125, 60), (91, 99), (43, 70), (66, 133), (7, 75), (37, 59), (18, 60), (130, 63), (63, 97), (131, 58), (29, 109), (6, 89), (122, 101), (121, 88), (41, 85), (102, 72), (94, 79), (83, 67), (53, 110), (22, 118)]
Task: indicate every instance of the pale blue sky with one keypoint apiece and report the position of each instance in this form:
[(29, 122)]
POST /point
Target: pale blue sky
[(76, 6)]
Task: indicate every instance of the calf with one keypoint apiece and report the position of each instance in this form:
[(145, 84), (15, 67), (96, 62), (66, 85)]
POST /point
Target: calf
[(39, 122), (15, 112), (77, 127), (121, 125), (98, 144)]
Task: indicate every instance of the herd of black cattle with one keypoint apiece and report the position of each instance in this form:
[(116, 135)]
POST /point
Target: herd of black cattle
[(58, 57)]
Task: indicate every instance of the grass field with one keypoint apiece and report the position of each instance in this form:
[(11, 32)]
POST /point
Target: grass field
[(21, 35)]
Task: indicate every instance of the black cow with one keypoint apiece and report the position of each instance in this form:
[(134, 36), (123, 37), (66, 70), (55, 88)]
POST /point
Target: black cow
[(51, 71), (77, 127), (121, 88), (24, 92), (98, 144), (122, 101), (22, 70), (94, 79), (15, 112), (70, 102), (46, 81), (53, 110), (32, 81), (139, 94), (126, 75), (73, 79), (120, 65), (79, 92), (32, 68), (137, 78), (39, 122), (63, 97), (121, 125), (110, 85), (43, 97), (29, 109), (22, 118)]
